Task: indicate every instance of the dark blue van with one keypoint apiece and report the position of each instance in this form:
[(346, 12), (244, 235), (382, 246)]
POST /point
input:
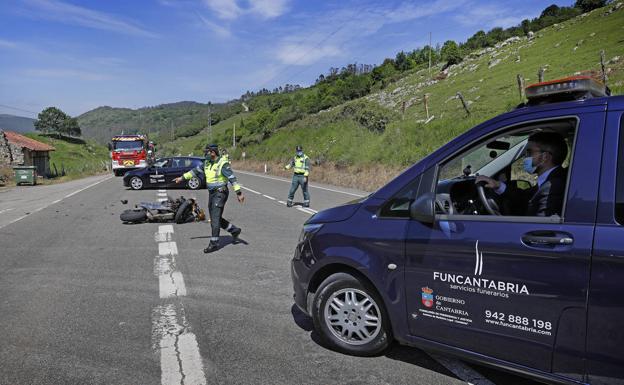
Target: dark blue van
[(447, 257)]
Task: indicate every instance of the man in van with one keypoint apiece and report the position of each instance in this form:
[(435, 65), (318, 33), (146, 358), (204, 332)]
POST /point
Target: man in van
[(544, 155)]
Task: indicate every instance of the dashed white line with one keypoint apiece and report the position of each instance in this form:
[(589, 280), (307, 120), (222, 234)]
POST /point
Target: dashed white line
[(253, 191), (270, 197), (180, 360), (54, 202), (288, 181), (5, 210), (282, 202)]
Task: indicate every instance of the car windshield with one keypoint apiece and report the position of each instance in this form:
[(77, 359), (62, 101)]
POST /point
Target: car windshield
[(128, 145)]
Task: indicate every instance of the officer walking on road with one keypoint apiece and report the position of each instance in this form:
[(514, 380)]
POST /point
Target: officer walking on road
[(301, 169), (218, 173)]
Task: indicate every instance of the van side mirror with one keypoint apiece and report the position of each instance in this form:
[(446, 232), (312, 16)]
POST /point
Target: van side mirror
[(422, 208), (110, 147)]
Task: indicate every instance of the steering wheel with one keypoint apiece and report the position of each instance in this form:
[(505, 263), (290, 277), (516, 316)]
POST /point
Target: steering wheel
[(445, 204), (490, 204)]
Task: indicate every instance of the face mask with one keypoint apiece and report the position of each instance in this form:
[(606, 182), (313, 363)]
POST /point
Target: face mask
[(528, 165)]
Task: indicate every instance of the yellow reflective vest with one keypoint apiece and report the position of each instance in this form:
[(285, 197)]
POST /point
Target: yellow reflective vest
[(218, 174), (300, 165)]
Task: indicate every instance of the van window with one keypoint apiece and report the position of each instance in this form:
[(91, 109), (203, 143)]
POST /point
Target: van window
[(499, 160), (619, 187)]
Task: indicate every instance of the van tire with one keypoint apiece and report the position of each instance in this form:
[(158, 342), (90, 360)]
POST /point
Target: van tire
[(349, 320), (134, 216)]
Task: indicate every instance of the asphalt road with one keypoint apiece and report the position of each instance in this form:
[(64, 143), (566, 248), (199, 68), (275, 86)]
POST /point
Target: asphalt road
[(86, 299)]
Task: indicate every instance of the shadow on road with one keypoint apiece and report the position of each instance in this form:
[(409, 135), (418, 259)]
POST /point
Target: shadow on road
[(397, 352)]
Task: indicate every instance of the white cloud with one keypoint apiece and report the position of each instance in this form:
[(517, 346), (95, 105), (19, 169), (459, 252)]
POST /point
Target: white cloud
[(230, 9), (218, 29), (73, 14), (58, 73), (269, 9), (301, 54), (7, 44), (489, 16), (225, 9), (325, 35)]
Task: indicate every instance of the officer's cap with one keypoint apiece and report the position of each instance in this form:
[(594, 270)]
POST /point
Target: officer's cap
[(211, 147), (299, 148)]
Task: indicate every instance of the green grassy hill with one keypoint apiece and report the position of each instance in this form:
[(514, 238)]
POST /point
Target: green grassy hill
[(75, 158)]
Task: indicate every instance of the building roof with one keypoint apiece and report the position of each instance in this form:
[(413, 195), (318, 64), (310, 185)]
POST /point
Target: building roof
[(25, 142)]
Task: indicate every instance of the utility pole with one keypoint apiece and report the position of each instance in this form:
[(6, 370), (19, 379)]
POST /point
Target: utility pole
[(234, 137), (429, 55), (172, 130), (209, 121)]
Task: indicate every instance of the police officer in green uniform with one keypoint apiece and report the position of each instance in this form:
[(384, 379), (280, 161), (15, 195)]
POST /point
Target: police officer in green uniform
[(301, 169), (218, 173)]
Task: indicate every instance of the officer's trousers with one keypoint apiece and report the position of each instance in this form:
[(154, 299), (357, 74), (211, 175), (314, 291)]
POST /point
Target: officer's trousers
[(299, 179), (216, 204)]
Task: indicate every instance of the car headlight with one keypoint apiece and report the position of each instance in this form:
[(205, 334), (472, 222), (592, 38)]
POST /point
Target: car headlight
[(308, 231)]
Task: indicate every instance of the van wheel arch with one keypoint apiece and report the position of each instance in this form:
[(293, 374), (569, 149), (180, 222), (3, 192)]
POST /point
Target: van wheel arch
[(329, 270)]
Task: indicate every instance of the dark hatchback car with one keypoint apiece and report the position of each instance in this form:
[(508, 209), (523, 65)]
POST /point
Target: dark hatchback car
[(434, 260), (163, 172)]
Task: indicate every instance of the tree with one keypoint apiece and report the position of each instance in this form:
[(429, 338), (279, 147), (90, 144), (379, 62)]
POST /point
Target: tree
[(51, 119), (450, 53), (552, 10), (588, 5), (70, 127)]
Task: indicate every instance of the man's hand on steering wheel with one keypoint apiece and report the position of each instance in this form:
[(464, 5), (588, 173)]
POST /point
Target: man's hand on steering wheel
[(488, 182)]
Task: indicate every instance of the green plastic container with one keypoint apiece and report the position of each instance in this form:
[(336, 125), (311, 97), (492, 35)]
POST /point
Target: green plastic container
[(25, 174)]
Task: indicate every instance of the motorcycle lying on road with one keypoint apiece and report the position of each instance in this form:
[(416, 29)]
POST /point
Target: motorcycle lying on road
[(181, 210)]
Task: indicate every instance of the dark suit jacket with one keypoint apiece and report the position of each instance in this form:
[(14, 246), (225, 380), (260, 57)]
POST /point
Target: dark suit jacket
[(544, 201)]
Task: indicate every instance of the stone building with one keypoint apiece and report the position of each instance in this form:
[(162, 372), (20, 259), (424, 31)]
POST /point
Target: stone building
[(18, 150)]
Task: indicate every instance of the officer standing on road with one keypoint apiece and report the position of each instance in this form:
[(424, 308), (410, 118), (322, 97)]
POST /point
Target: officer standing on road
[(301, 167), (218, 173)]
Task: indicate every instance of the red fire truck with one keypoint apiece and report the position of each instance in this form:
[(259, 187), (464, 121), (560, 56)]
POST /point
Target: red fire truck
[(128, 152)]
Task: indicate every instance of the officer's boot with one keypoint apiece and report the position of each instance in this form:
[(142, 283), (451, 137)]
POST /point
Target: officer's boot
[(212, 246), (235, 231), (289, 203), (306, 204)]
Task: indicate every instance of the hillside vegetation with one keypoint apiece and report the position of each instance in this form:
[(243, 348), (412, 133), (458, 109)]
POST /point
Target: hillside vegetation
[(358, 118), (74, 158)]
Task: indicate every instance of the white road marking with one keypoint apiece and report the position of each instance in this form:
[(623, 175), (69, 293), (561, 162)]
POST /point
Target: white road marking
[(55, 202), (89, 186), (253, 191), (270, 197), (462, 371), (167, 248), (161, 191), (311, 185), (179, 351), (162, 194), (163, 199), (5, 210), (282, 202), (307, 210), (180, 360)]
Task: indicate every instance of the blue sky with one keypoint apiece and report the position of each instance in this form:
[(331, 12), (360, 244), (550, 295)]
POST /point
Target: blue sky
[(78, 55)]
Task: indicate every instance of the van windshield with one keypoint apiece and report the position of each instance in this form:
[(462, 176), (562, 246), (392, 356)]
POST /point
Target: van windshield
[(486, 158)]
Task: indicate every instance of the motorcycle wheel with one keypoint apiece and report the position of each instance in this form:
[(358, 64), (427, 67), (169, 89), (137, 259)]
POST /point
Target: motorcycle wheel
[(184, 211), (134, 216)]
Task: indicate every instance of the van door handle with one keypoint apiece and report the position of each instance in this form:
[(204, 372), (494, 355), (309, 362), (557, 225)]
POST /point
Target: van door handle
[(543, 238)]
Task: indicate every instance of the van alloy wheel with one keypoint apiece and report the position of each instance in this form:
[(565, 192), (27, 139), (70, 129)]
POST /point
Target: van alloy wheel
[(350, 317), (353, 316)]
